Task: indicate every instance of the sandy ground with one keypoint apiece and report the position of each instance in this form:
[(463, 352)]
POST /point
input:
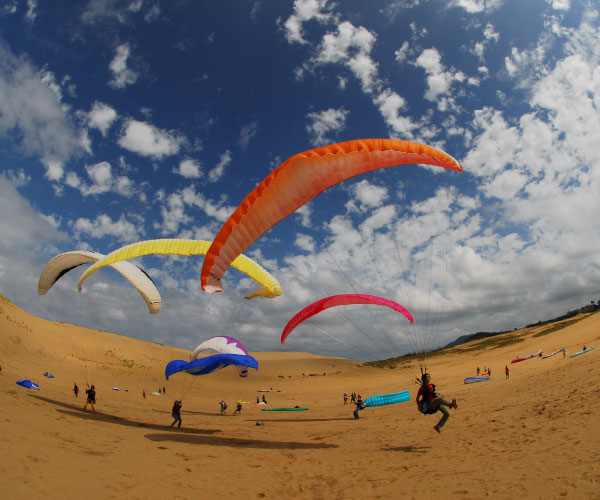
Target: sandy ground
[(535, 435)]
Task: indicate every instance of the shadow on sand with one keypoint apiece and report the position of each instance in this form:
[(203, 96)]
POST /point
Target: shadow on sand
[(408, 449), (76, 411), (238, 443)]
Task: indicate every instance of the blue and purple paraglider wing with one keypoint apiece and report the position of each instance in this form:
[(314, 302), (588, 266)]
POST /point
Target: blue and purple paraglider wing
[(204, 366)]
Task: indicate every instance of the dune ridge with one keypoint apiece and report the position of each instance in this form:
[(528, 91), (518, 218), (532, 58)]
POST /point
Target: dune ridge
[(535, 435)]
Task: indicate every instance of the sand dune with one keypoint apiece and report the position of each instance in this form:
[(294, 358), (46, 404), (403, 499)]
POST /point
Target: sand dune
[(535, 435)]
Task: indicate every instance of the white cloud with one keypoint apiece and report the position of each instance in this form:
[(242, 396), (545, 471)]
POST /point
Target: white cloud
[(122, 75), (476, 6), (54, 170), (505, 185), (303, 215), (102, 181), (18, 178), (350, 46), (390, 105), (439, 80), (305, 11), (31, 14), (323, 123), (560, 4), (403, 52), (305, 242), (101, 117), (217, 172), (148, 140), (35, 112), (247, 134), (173, 215), (190, 169), (103, 225), (368, 195)]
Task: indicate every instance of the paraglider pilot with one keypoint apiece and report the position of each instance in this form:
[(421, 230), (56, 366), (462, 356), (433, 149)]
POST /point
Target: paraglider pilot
[(176, 413), (359, 406), (430, 402)]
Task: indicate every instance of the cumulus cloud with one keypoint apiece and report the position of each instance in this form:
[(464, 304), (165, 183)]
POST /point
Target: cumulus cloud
[(476, 6), (304, 11), (217, 172), (101, 181), (351, 46), (323, 123), (247, 134), (147, 140), (305, 242), (440, 80), (122, 76), (560, 4), (190, 169), (35, 113), (101, 117), (103, 225)]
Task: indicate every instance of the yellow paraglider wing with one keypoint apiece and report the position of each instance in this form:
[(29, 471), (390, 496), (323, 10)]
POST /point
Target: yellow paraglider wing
[(270, 287)]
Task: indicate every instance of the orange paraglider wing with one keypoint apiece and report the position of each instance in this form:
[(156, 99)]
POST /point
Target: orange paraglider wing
[(297, 181)]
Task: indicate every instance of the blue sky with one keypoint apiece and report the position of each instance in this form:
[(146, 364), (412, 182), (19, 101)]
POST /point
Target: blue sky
[(129, 120)]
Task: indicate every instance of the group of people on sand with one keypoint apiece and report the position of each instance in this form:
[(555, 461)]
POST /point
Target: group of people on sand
[(238, 407), (487, 372), (428, 402), (353, 397), (264, 400)]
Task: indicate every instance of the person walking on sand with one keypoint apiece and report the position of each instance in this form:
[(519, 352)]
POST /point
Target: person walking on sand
[(430, 402), (478, 371), (91, 398), (345, 398), (144, 393), (224, 406), (176, 413), (75, 389), (238, 408)]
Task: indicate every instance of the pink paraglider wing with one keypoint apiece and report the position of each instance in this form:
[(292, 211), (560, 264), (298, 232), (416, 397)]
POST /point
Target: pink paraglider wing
[(341, 300)]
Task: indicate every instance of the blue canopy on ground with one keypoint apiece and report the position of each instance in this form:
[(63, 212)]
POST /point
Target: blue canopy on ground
[(28, 384)]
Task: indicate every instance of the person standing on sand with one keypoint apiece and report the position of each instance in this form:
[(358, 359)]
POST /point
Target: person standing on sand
[(345, 398), (564, 352), (176, 413), (359, 406), (506, 371), (224, 406), (430, 402), (75, 389), (91, 398), (477, 371), (144, 393)]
